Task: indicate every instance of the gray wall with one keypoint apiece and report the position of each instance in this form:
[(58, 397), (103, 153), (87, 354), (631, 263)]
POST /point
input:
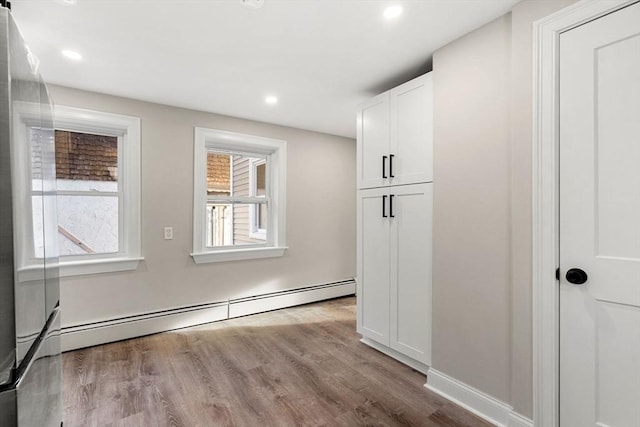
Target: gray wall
[(320, 217), (482, 296), (471, 273)]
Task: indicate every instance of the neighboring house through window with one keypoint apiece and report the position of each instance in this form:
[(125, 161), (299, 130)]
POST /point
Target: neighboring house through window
[(239, 196), (258, 216), (89, 194), (97, 160)]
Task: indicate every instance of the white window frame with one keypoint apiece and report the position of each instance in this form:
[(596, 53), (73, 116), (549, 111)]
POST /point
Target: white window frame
[(127, 130), (254, 231), (275, 150)]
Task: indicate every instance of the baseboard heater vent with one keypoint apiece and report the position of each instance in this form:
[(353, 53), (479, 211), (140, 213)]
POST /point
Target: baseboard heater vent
[(117, 329), (289, 298)]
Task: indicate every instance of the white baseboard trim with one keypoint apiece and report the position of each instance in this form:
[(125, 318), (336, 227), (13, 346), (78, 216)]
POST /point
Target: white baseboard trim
[(483, 405), (418, 366), (517, 420), (276, 300), (117, 329), (90, 334)]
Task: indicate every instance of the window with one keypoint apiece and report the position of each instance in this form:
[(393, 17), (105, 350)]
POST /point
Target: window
[(239, 196), (258, 216), (89, 193), (97, 162)]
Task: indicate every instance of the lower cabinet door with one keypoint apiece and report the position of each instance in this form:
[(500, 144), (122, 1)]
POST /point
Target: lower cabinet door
[(410, 271), (373, 264)]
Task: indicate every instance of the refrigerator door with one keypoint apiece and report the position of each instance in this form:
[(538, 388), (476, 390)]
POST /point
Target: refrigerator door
[(49, 202), (39, 388), (8, 409), (7, 314), (30, 141)]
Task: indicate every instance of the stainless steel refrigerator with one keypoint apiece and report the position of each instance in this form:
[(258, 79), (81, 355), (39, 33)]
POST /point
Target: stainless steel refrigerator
[(30, 359)]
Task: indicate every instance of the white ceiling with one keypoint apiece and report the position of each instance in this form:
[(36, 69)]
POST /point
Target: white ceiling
[(320, 57)]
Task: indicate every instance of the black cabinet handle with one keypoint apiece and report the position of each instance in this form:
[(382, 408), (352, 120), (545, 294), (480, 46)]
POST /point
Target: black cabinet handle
[(391, 166), (384, 166), (384, 206), (391, 206)]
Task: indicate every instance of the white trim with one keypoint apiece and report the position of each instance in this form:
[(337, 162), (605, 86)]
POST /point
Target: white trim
[(94, 266), (254, 231), (125, 327), (276, 152), (517, 420), (473, 400), (33, 272), (546, 203), (259, 304), (26, 114), (102, 332), (238, 254), (95, 122), (418, 366)]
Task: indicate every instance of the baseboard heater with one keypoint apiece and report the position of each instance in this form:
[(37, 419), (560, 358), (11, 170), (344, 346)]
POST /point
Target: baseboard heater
[(117, 329)]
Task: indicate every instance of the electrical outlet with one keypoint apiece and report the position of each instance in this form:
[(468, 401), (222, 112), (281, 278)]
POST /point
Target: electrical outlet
[(168, 233)]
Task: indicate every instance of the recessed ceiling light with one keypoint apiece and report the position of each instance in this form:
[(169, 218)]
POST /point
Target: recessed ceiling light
[(271, 100), (393, 11), (71, 54)]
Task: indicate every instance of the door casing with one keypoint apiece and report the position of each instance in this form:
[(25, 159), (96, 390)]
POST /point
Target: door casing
[(546, 203)]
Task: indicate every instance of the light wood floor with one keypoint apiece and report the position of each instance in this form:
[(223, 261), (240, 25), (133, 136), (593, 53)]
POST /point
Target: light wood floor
[(301, 366)]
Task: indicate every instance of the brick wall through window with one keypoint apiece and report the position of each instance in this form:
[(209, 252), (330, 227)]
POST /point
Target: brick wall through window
[(87, 157), (218, 166)]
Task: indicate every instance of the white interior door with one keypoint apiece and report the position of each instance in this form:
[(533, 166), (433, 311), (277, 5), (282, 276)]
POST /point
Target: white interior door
[(600, 222)]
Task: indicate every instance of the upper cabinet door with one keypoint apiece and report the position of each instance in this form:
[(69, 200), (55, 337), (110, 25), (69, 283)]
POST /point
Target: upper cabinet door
[(373, 142), (395, 136), (411, 133)]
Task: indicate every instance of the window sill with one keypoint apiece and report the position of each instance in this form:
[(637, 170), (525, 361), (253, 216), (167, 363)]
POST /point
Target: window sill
[(259, 235), (97, 266), (238, 254), (35, 272)]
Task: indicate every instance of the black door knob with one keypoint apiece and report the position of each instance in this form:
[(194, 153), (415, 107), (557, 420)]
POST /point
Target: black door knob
[(576, 276)]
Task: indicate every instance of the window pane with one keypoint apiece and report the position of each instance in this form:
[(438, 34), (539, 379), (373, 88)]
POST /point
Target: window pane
[(86, 162), (261, 181), (261, 221), (218, 174), (87, 224), (219, 225), (230, 225), (230, 175), (81, 185), (242, 185)]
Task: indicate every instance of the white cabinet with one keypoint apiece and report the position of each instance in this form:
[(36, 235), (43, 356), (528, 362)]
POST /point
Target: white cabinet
[(373, 264), (394, 268), (395, 134), (395, 196)]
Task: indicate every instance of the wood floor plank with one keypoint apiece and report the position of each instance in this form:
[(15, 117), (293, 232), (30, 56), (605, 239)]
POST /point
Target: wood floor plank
[(302, 366)]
